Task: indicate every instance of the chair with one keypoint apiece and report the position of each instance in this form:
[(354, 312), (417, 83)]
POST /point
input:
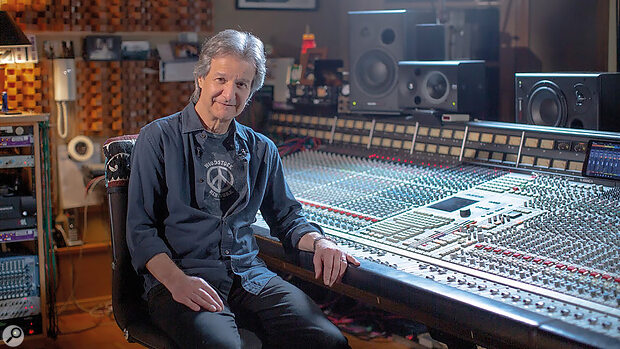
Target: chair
[(130, 309)]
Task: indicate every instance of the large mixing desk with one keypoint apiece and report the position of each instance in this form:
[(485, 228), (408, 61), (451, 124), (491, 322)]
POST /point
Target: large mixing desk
[(489, 231)]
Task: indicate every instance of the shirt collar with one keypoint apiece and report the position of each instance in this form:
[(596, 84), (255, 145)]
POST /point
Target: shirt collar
[(190, 122)]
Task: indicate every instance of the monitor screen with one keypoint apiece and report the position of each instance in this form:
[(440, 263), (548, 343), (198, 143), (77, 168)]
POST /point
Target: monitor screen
[(602, 160), (452, 204)]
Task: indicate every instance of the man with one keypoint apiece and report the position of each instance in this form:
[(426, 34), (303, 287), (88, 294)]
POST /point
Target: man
[(197, 180)]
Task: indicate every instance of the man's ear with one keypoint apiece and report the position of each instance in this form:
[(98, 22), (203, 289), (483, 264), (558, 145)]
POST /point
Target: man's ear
[(247, 101), (201, 81)]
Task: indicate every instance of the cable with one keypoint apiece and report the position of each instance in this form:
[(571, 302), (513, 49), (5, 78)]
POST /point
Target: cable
[(434, 9), (100, 310), (97, 323), (296, 144), (106, 308), (93, 183), (61, 120), (89, 189), (508, 9), (442, 12), (50, 260), (363, 322)]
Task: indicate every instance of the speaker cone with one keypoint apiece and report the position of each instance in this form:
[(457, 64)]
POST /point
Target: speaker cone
[(435, 87), (547, 105), (376, 72)]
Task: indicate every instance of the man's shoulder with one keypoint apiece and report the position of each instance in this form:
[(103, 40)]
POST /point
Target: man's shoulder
[(254, 136), (163, 127)]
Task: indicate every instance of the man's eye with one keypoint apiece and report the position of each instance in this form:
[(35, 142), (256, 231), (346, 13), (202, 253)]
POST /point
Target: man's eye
[(220, 79), (242, 85)]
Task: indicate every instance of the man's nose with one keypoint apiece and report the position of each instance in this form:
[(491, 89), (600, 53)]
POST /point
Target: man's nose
[(229, 91)]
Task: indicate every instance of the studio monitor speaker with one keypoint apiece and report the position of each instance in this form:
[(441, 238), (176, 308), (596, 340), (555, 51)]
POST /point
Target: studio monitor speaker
[(575, 100), (377, 41), (448, 86), (431, 42)]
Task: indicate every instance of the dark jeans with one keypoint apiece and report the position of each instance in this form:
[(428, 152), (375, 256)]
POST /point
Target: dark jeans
[(282, 316)]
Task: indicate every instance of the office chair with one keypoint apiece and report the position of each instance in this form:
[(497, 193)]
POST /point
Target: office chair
[(129, 308)]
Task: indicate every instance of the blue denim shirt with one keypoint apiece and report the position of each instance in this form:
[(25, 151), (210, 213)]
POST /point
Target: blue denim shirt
[(166, 205)]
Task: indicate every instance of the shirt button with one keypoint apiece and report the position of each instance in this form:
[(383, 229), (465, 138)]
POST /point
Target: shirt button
[(226, 252), (203, 135), (201, 180)]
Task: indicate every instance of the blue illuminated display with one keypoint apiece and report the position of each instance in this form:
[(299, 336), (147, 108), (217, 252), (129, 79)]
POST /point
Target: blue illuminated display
[(603, 160)]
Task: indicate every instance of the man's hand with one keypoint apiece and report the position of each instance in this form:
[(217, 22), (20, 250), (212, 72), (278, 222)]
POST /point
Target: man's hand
[(331, 262), (195, 293), (192, 291)]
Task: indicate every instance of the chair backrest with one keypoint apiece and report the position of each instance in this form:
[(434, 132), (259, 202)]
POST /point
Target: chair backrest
[(130, 309), (127, 300)]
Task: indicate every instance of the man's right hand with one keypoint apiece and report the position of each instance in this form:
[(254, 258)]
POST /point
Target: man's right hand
[(192, 291), (195, 293)]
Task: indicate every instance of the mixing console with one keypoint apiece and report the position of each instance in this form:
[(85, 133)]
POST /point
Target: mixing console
[(370, 188), (19, 286), (545, 243)]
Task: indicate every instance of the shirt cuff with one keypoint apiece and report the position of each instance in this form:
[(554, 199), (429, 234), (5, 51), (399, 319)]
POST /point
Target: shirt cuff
[(303, 230), (148, 249)]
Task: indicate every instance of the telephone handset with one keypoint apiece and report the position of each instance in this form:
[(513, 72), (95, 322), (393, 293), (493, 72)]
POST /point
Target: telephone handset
[(64, 91)]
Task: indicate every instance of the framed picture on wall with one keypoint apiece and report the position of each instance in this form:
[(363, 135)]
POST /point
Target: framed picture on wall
[(135, 50), (307, 64), (277, 4), (103, 48)]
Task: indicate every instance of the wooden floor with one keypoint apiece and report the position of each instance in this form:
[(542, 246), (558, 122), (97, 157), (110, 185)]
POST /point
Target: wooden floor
[(85, 331)]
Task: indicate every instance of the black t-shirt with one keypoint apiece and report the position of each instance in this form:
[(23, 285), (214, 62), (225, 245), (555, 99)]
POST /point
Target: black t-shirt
[(224, 174)]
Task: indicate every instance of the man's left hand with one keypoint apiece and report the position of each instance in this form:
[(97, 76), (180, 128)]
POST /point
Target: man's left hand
[(331, 262)]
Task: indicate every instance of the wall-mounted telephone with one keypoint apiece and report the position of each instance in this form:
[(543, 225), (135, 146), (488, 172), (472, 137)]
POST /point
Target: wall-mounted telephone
[(64, 91)]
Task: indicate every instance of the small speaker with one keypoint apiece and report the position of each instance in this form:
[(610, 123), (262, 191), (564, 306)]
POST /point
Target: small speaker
[(575, 100), (431, 42), (449, 86), (377, 41)]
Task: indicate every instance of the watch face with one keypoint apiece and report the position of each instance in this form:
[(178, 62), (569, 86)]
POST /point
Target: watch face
[(345, 89)]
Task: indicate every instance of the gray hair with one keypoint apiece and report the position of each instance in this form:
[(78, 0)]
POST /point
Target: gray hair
[(231, 42)]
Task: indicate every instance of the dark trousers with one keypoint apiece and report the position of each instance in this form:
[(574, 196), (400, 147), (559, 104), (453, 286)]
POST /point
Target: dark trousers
[(282, 316)]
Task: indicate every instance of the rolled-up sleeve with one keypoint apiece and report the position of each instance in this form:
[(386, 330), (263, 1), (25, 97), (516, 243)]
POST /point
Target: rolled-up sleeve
[(146, 195), (280, 209)]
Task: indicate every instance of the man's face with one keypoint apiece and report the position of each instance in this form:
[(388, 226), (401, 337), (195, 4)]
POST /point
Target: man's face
[(225, 89)]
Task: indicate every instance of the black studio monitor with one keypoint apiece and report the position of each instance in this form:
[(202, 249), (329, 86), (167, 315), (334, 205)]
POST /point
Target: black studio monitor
[(447, 86), (431, 42), (574, 100), (377, 41)]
